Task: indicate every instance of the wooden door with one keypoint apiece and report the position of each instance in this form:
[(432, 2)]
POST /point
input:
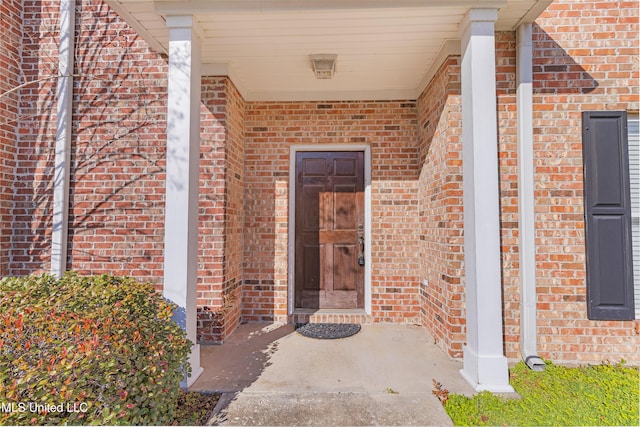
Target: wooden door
[(329, 216)]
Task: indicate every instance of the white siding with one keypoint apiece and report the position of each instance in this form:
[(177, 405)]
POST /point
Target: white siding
[(634, 168)]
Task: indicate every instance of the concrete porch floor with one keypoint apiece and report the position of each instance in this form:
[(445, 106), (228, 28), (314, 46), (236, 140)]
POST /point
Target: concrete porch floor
[(271, 375)]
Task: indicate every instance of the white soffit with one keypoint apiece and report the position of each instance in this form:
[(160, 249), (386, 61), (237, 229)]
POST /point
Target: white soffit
[(386, 49)]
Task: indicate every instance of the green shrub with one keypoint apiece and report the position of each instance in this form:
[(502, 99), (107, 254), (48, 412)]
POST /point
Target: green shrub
[(559, 396), (88, 350)]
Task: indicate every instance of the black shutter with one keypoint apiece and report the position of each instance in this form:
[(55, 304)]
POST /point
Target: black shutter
[(607, 216)]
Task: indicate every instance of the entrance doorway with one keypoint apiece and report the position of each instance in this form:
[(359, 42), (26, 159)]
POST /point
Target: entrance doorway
[(329, 270)]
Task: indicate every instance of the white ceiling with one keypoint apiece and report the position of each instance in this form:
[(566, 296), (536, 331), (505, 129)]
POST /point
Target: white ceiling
[(387, 49)]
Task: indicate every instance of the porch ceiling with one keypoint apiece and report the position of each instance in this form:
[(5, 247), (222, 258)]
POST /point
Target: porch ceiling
[(387, 49)]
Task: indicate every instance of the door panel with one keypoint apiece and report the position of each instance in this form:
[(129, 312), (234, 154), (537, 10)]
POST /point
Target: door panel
[(329, 200), (345, 271), (345, 212), (311, 268), (311, 210)]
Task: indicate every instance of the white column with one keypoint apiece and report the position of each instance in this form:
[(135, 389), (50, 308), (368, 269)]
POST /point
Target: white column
[(485, 366), (64, 96), (183, 152)]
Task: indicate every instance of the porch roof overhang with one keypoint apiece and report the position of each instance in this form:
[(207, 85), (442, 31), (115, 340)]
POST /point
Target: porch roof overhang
[(386, 49)]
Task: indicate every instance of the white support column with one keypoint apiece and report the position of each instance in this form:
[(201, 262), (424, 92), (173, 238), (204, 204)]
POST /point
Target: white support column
[(183, 152), (64, 96), (485, 366)]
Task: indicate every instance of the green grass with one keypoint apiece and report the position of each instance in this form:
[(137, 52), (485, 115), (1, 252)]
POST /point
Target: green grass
[(559, 396)]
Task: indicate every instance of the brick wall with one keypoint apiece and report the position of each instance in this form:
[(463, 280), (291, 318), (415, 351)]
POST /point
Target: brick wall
[(390, 129), (117, 201), (118, 181), (10, 78), (211, 212), (117, 189), (116, 222), (508, 176), (441, 202), (221, 213), (583, 61), (585, 58), (234, 208), (441, 220)]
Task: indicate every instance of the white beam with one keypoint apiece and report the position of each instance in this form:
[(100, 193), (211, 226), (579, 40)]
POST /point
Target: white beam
[(64, 97), (448, 48), (329, 95), (532, 14), (182, 179), (166, 7), (134, 22), (485, 366)]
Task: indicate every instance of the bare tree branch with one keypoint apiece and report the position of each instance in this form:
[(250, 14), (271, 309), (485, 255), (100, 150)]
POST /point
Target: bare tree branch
[(43, 79)]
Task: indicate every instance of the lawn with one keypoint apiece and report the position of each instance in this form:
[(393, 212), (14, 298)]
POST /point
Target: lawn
[(559, 396)]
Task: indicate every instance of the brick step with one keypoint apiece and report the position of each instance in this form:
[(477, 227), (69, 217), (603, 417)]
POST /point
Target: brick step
[(332, 316)]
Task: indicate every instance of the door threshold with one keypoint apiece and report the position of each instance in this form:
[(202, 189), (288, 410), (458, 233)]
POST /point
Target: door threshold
[(358, 311), (352, 315)]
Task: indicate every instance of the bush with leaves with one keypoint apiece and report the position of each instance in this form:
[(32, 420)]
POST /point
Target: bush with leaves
[(88, 350), (598, 395)]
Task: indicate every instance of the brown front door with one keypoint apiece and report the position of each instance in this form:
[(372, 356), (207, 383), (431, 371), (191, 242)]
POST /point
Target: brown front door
[(329, 217)]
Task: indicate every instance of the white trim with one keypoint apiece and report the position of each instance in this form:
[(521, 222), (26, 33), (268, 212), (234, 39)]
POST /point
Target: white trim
[(448, 48), (633, 135), (340, 95), (226, 70), (183, 21), (526, 205), (168, 7), (367, 215), (472, 24), (64, 112), (533, 13), (120, 9)]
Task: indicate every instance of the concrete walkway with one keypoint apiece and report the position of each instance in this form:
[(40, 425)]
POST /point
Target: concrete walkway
[(270, 375)]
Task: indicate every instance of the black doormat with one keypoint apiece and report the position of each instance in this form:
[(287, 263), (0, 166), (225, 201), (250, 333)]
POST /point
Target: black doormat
[(327, 331)]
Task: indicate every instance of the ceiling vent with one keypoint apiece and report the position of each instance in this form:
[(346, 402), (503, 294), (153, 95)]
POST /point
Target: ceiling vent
[(324, 66)]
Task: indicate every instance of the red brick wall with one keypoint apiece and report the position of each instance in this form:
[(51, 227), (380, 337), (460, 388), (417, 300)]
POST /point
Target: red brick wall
[(585, 58), (390, 129), (441, 220), (221, 214), (117, 189), (441, 198), (212, 213), (118, 155), (118, 159), (10, 78), (441, 202), (234, 208), (508, 176)]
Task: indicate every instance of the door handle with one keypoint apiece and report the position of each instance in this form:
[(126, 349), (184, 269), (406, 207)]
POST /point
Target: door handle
[(360, 234)]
